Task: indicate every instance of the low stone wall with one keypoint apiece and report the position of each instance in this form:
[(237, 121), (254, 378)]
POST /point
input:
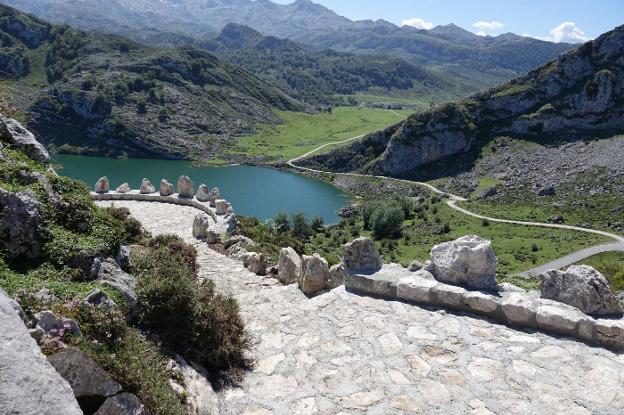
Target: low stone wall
[(174, 199), (511, 308)]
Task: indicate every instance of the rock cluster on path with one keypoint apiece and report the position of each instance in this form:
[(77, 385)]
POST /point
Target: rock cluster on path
[(582, 287), (185, 187), (361, 256), (146, 187), (20, 222), (166, 188), (203, 193), (468, 261), (29, 385), (289, 266), (102, 185)]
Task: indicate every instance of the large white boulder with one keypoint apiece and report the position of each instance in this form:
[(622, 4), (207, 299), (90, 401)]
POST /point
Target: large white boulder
[(185, 187), (147, 187), (221, 206), (583, 287), (314, 274), (166, 188), (361, 256), (102, 185), (203, 193), (289, 266), (201, 224), (337, 276), (468, 261)]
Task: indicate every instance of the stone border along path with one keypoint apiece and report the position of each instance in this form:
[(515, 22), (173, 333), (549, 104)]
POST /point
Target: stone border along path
[(454, 199), (343, 353)]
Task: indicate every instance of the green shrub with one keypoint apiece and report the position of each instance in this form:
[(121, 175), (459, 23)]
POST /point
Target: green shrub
[(281, 223), (175, 244), (300, 226), (317, 223), (387, 222)]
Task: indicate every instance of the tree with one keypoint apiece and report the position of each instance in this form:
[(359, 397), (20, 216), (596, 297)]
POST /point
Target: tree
[(281, 223), (300, 226), (387, 221), (141, 106), (317, 223)]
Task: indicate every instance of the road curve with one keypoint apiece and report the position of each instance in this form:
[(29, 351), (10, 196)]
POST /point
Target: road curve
[(454, 199)]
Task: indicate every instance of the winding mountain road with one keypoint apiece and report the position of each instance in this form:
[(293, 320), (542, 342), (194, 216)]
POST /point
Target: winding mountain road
[(452, 201)]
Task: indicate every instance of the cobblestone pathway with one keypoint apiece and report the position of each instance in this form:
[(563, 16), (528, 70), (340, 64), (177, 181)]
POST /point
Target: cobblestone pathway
[(341, 353)]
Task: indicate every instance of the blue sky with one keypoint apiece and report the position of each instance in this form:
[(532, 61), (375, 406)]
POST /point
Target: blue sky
[(584, 18)]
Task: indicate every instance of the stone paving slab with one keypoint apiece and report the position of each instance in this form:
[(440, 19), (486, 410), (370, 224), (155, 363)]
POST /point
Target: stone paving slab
[(342, 353)]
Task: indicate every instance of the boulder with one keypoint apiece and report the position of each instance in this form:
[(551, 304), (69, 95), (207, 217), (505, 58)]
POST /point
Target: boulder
[(185, 187), (255, 262), (166, 188), (203, 193), (314, 274), (215, 195), (583, 287), (200, 397), (221, 206), (19, 224), (109, 273), (415, 266), (428, 266), (468, 261), (480, 302), (98, 298), (29, 385), (90, 383), (123, 188), (48, 323), (212, 237), (201, 223), (546, 191), (557, 219), (147, 187), (337, 276), (123, 256), (102, 185), (18, 309), (519, 309), (122, 404), (361, 256), (417, 287), (289, 266), (12, 132), (238, 240)]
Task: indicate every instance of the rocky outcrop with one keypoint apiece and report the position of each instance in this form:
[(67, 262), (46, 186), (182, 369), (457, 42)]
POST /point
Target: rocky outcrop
[(582, 287), (166, 188), (147, 187), (468, 261), (98, 298), (29, 385), (12, 132), (361, 256), (203, 193), (109, 273), (289, 266), (21, 217), (185, 187), (314, 274), (122, 404), (102, 185), (90, 383)]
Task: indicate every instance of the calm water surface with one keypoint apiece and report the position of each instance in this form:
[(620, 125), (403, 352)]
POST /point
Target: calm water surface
[(253, 191)]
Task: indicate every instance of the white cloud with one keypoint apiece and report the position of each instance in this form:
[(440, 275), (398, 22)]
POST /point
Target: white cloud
[(567, 32), (485, 26), (417, 23)]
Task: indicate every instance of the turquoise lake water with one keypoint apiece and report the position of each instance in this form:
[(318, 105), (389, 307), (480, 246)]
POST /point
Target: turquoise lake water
[(253, 191)]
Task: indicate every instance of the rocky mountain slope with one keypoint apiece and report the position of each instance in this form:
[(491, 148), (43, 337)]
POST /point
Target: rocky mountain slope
[(105, 94), (579, 95), (476, 60)]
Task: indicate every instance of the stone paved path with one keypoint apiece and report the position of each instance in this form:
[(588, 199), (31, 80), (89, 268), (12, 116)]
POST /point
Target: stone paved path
[(341, 353)]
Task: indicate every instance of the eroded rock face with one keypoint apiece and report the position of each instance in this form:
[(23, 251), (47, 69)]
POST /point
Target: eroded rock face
[(201, 224), (90, 383), (185, 187), (166, 188), (102, 185), (468, 261), (19, 224), (28, 383), (123, 188), (13, 132), (314, 274), (289, 266), (203, 193), (361, 255), (583, 287), (147, 187)]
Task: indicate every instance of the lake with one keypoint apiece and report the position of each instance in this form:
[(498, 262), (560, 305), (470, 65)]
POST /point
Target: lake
[(253, 191)]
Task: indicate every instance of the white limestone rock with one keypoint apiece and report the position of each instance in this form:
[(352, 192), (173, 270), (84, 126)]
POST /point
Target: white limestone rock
[(201, 225), (185, 187), (28, 383), (417, 287), (583, 287), (449, 295), (122, 404), (337, 275), (48, 323), (361, 256), (519, 309), (221, 206), (415, 266), (314, 274), (147, 187), (215, 194), (559, 318), (289, 266), (98, 298), (123, 188), (20, 218), (13, 132), (481, 302), (166, 188), (255, 262), (102, 185), (468, 261), (203, 193)]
